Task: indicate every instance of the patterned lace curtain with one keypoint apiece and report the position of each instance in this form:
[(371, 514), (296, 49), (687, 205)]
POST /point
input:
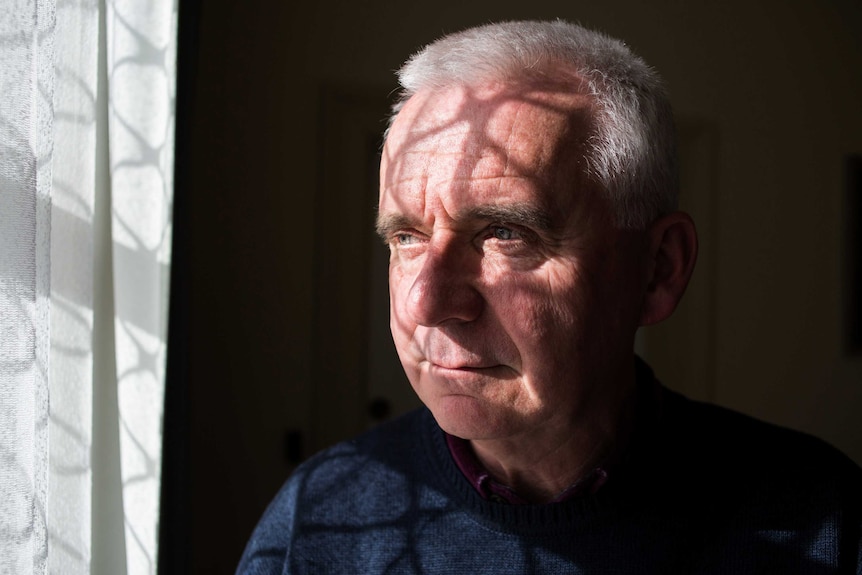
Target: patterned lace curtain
[(86, 164)]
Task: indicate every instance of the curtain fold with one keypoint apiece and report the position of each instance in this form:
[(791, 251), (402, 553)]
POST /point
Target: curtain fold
[(26, 125), (86, 164), (141, 56), (72, 284)]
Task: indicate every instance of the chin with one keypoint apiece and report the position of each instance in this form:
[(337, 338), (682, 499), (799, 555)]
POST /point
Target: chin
[(469, 418)]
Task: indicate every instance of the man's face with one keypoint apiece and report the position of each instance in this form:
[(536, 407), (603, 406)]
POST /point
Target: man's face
[(514, 300)]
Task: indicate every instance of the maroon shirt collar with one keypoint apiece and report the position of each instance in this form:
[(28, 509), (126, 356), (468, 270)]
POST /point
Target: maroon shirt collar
[(492, 490)]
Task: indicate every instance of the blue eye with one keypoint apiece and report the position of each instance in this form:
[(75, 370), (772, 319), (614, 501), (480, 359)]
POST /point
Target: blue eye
[(404, 239), (501, 233)]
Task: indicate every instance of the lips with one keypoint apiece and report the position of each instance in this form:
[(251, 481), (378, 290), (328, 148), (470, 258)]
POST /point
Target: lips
[(449, 350), (467, 366), (454, 357), (463, 360), (496, 371)]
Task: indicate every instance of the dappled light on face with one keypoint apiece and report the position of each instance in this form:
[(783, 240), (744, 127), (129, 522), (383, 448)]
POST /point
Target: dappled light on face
[(423, 126), (486, 212)]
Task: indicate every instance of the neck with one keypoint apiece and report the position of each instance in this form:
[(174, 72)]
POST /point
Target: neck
[(540, 465)]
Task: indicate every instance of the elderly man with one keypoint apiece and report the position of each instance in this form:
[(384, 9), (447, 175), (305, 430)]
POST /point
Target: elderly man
[(528, 197)]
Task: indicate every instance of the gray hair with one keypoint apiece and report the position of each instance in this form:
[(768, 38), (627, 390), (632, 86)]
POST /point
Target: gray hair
[(631, 155)]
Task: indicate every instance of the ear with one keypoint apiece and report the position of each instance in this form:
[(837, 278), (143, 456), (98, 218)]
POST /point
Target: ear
[(672, 254)]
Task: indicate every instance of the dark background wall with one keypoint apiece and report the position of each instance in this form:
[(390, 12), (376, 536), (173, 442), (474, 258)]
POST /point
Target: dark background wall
[(279, 213)]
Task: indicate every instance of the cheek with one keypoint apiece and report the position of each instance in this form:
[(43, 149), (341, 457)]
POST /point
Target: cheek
[(538, 323), (400, 324), (398, 290), (551, 319), (542, 305), (546, 332)]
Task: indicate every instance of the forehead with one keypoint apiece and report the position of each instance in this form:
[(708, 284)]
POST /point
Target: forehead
[(487, 144)]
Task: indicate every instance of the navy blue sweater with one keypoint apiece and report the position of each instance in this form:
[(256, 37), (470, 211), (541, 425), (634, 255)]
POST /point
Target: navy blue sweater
[(706, 490)]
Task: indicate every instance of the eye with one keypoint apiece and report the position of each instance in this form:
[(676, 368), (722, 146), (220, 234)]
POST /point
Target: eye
[(504, 233), (404, 239), (512, 240)]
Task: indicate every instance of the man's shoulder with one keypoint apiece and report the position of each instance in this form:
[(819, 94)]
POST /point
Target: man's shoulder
[(379, 457), (393, 442), (355, 484), (735, 432), (736, 448)]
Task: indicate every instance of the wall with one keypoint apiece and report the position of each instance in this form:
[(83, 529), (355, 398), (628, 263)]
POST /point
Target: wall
[(777, 83)]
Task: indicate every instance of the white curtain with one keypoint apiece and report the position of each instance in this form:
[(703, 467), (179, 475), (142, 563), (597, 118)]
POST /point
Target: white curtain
[(86, 164)]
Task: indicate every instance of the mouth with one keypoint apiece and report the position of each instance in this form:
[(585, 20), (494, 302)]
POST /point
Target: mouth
[(464, 365), (469, 365), (498, 371)]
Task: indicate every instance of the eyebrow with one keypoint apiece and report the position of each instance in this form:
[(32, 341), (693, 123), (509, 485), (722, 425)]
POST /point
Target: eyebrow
[(519, 214), (388, 223)]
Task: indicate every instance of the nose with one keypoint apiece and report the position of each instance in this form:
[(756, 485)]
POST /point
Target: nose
[(444, 290)]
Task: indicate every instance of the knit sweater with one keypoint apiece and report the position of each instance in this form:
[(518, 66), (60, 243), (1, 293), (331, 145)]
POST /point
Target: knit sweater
[(706, 490)]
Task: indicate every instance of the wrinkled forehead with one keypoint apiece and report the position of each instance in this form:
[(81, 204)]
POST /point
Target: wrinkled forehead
[(520, 125), (464, 148), (491, 146)]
